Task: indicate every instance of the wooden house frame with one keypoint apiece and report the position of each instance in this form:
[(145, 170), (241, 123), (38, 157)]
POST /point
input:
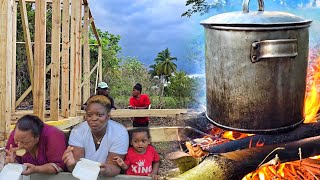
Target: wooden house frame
[(71, 20)]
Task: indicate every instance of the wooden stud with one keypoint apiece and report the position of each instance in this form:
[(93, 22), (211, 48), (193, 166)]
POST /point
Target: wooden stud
[(55, 60), (86, 56), (78, 83), (97, 76), (14, 58), (100, 63), (6, 14), (75, 55), (39, 59), (65, 59), (92, 70), (27, 38)]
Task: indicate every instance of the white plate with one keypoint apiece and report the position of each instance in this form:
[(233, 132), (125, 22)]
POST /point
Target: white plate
[(12, 171), (86, 169)]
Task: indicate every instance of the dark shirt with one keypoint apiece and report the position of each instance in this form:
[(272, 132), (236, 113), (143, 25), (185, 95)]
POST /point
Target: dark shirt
[(112, 102)]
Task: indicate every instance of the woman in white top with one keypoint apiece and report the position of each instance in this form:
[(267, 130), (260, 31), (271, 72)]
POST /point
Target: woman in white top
[(98, 138)]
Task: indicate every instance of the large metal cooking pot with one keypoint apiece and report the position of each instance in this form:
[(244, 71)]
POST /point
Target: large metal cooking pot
[(256, 65)]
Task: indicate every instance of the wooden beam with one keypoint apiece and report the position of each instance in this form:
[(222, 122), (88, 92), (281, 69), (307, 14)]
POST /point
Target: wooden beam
[(75, 55), (55, 60), (65, 59), (92, 70), (79, 99), (33, 1), (14, 58), (100, 63), (61, 124), (93, 26), (27, 38), (94, 29), (164, 134), (97, 76), (122, 113), (40, 59), (6, 14), (86, 56)]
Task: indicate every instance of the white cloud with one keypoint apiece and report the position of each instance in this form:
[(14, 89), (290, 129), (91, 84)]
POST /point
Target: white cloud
[(146, 27)]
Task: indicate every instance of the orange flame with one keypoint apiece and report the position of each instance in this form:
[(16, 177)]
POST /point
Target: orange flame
[(312, 99), (228, 135), (233, 135), (296, 170)]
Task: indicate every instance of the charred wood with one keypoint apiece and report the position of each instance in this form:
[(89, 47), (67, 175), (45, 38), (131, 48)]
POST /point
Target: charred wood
[(236, 164), (301, 132)]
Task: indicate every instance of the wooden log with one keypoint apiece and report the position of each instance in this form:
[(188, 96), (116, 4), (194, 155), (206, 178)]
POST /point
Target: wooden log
[(301, 132), (236, 164), (100, 63)]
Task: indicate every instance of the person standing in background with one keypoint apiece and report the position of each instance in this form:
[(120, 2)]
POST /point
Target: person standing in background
[(103, 89), (139, 101)]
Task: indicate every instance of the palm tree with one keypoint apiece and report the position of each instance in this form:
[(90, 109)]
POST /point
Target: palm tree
[(164, 66)]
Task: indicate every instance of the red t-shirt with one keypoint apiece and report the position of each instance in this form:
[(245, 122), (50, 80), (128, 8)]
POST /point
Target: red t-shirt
[(143, 101), (141, 164)]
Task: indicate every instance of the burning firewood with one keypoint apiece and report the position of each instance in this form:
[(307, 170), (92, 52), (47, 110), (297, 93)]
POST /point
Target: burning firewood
[(237, 164), (305, 169)]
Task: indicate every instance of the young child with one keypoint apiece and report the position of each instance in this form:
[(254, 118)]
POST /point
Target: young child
[(142, 158)]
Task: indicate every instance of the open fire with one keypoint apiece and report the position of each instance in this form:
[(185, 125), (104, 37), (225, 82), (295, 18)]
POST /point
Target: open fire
[(302, 169)]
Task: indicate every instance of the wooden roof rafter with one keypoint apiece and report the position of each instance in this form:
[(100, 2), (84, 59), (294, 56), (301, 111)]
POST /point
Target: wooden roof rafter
[(93, 26)]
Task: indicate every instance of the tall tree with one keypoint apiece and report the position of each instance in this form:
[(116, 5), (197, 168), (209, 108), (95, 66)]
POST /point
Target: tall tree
[(164, 64), (164, 67)]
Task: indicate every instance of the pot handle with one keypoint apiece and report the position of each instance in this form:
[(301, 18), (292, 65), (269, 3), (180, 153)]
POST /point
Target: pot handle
[(280, 48), (245, 5)]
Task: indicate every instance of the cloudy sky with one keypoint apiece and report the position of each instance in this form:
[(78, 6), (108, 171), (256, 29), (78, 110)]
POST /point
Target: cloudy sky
[(147, 27)]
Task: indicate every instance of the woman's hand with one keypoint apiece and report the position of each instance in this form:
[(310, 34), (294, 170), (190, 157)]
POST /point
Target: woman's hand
[(119, 161), (30, 169), (11, 155), (68, 157), (154, 176)]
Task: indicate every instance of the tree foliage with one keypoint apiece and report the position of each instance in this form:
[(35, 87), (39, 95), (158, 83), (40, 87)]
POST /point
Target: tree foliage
[(183, 89), (164, 64), (110, 49), (203, 6)]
